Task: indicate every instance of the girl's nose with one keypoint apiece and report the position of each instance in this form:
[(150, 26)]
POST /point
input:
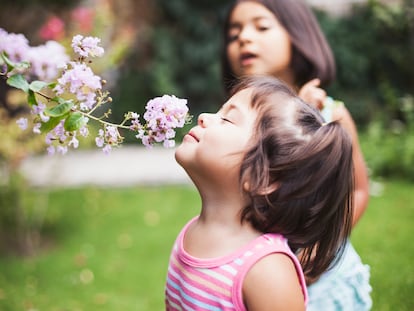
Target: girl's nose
[(246, 34), (204, 119)]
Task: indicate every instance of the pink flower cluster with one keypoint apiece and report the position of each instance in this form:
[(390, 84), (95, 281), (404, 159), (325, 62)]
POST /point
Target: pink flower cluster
[(87, 46), (53, 29), (77, 94), (46, 60), (108, 136), (80, 80), (163, 115), (63, 139), (15, 45)]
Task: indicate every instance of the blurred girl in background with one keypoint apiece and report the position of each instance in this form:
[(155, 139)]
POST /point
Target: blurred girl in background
[(282, 38)]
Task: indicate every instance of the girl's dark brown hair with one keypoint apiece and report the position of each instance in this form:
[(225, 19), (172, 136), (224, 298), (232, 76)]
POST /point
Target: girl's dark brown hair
[(311, 54), (299, 174)]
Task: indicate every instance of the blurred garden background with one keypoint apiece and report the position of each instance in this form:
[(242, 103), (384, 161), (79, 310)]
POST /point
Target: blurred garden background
[(106, 248)]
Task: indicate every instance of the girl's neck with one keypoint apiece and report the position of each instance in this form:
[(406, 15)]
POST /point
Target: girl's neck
[(222, 209), (218, 232), (289, 78), (220, 201)]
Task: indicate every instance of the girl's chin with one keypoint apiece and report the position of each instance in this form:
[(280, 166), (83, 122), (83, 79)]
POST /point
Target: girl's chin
[(252, 70), (181, 154)]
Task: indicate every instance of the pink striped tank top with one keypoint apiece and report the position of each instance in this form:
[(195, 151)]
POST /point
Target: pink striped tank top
[(216, 284)]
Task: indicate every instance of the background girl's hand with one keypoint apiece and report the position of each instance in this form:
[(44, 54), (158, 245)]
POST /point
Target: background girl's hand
[(311, 93)]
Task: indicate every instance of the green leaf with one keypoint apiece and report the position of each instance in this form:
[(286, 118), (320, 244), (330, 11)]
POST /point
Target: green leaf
[(19, 82), (52, 84), (22, 66), (51, 124), (74, 122), (59, 110), (61, 100), (7, 61), (31, 98), (37, 86)]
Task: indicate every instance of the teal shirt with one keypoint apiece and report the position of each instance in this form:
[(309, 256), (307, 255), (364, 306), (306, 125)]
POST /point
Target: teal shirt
[(329, 106)]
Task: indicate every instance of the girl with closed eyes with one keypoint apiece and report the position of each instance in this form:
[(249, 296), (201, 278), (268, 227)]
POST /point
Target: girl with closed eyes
[(273, 178)]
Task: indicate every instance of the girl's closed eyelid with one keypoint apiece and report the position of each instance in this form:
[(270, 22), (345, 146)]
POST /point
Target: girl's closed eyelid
[(263, 28), (232, 38), (233, 35), (226, 120)]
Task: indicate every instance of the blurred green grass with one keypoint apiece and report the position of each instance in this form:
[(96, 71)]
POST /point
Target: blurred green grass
[(110, 249), (383, 238)]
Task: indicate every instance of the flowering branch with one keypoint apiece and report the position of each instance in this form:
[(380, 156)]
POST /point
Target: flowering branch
[(63, 107)]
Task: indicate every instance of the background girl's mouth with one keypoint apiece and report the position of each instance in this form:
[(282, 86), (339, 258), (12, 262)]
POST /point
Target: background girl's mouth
[(247, 59)]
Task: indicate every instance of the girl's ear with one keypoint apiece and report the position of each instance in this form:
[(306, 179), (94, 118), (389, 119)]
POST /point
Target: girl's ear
[(265, 191)]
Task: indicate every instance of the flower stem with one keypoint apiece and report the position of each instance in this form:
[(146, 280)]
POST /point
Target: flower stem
[(88, 115)]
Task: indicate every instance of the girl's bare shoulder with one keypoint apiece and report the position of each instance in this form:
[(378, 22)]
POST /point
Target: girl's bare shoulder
[(273, 284)]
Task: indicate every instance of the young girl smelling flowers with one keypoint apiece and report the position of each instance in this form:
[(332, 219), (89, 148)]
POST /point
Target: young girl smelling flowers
[(273, 178)]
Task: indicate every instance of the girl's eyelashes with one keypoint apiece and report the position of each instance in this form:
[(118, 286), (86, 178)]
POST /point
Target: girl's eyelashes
[(263, 28), (233, 36), (234, 31), (226, 120)]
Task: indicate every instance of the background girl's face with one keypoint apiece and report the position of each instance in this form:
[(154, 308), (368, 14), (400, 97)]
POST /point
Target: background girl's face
[(258, 43)]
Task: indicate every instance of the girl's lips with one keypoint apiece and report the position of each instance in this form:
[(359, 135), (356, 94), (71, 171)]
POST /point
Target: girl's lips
[(247, 58), (191, 134)]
